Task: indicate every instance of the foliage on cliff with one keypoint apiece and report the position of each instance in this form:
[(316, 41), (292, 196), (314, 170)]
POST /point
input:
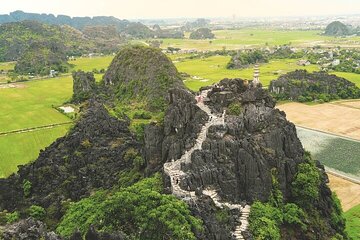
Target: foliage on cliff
[(301, 216), (140, 211), (142, 74)]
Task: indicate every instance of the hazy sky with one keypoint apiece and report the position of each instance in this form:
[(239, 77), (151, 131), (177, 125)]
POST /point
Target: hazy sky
[(183, 8)]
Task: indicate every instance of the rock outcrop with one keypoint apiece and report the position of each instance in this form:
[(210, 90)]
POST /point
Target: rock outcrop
[(28, 229), (302, 86), (236, 158), (83, 86)]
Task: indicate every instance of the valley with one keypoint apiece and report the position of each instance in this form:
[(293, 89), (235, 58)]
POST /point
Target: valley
[(190, 141)]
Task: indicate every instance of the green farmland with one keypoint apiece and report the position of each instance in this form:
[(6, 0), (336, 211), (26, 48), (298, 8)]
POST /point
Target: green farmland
[(21, 148), (213, 69), (30, 104), (249, 37)]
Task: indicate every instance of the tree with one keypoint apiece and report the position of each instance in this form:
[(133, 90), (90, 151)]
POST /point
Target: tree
[(139, 210), (305, 186)]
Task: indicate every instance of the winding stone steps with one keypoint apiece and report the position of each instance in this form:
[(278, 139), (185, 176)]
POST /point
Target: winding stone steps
[(173, 170)]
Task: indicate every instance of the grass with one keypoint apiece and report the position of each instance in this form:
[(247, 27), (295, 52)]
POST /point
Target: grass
[(18, 149), (353, 222), (213, 69), (353, 77), (6, 66), (250, 37), (87, 64), (31, 105)]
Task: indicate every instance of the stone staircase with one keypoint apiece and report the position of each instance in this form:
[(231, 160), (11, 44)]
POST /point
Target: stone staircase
[(243, 212), (173, 170)]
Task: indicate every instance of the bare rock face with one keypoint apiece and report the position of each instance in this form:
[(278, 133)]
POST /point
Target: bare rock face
[(183, 121), (28, 229), (83, 85), (237, 158)]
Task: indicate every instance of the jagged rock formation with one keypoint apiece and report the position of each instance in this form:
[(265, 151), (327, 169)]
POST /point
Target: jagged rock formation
[(183, 121), (302, 86), (236, 158), (83, 86), (28, 229), (89, 157)]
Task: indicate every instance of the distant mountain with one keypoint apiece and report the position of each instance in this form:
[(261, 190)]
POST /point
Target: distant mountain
[(137, 30), (337, 29), (16, 38), (76, 22)]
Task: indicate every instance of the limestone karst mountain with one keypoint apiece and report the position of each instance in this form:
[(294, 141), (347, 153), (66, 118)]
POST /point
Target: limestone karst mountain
[(222, 152)]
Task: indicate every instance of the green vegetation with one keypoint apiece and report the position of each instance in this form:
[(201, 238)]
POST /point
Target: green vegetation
[(143, 75), (12, 217), (202, 33), (303, 86), (352, 217), (272, 219), (26, 188), (19, 149), (30, 105), (305, 186), (36, 212), (41, 57), (244, 59), (235, 108), (140, 211), (213, 69), (251, 37)]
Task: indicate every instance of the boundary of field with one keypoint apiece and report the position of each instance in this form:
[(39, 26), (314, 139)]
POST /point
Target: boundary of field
[(329, 133), (342, 175), (32, 129)]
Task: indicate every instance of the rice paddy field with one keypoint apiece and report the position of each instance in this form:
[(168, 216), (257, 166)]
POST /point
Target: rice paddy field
[(207, 71), (21, 148), (334, 152), (31, 104), (250, 37)]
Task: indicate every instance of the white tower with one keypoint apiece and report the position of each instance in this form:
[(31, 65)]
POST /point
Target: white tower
[(256, 80)]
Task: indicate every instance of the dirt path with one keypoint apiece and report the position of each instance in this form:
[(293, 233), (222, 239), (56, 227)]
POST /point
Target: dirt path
[(33, 129), (348, 192)]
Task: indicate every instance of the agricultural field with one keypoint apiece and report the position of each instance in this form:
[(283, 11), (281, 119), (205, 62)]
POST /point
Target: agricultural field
[(249, 37), (207, 71), (30, 104), (332, 151), (352, 77), (21, 148), (89, 63), (353, 222), (336, 117)]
